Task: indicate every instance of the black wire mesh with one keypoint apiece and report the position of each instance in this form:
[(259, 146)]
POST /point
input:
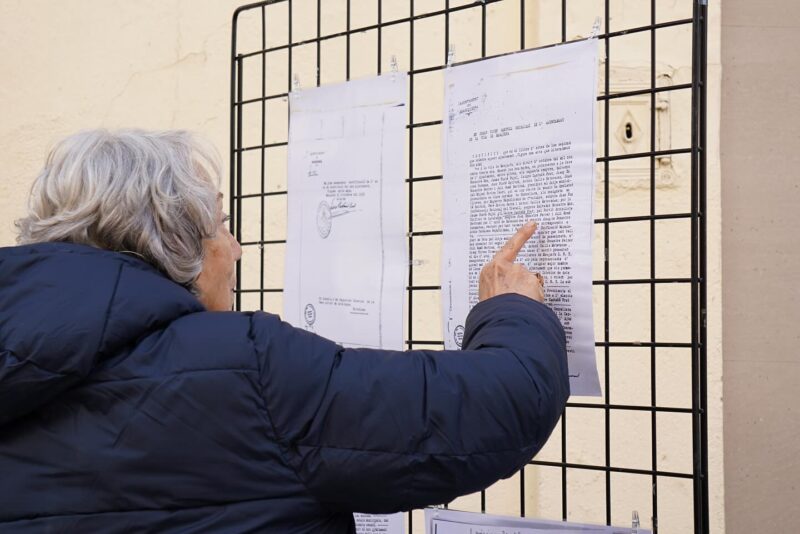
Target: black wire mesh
[(262, 107)]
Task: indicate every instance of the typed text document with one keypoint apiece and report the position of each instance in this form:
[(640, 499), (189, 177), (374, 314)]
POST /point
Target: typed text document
[(519, 146)]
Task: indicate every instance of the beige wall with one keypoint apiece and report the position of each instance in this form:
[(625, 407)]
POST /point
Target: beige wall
[(165, 63), (761, 261), (78, 64)]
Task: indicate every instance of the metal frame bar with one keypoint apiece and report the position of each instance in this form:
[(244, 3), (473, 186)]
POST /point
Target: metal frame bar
[(696, 216)]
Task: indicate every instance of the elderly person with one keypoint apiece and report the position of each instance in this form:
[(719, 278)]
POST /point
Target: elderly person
[(132, 399)]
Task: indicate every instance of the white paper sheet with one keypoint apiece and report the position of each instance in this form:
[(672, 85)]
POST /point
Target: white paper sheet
[(379, 524), (519, 145), (346, 258), (438, 521)]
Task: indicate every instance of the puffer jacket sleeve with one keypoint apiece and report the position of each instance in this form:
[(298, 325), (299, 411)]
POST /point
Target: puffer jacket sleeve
[(382, 431)]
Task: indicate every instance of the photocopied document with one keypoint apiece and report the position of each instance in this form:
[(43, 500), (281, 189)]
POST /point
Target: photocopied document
[(519, 145), (379, 523), (439, 521), (346, 256)]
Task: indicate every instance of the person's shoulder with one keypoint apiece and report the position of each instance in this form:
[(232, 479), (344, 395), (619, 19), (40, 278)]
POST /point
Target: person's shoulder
[(220, 342), (272, 335), (220, 339), (193, 343)]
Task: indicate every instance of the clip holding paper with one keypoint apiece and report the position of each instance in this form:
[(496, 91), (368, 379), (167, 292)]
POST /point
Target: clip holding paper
[(451, 54), (635, 522), (393, 65), (295, 92), (595, 28)]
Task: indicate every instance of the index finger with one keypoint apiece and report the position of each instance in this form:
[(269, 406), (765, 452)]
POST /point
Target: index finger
[(509, 251)]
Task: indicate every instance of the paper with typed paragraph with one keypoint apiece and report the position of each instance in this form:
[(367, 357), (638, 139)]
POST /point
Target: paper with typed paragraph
[(519, 145)]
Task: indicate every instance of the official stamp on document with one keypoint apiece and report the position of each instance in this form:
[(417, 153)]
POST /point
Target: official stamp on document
[(324, 219), (458, 335), (310, 314)]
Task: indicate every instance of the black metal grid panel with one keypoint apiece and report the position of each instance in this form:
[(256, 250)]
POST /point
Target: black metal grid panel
[(695, 214)]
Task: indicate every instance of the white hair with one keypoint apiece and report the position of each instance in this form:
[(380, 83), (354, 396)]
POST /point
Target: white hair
[(150, 193)]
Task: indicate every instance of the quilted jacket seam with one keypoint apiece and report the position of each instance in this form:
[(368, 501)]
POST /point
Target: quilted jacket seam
[(108, 310), (417, 454), (266, 413)]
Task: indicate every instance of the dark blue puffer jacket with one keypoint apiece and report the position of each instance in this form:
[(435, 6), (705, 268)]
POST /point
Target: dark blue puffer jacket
[(125, 407)]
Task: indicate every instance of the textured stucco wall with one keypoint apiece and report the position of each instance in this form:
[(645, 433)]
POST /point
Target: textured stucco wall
[(80, 64)]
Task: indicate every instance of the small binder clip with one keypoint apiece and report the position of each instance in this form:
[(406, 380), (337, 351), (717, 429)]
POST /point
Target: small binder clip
[(451, 54), (296, 83), (635, 523), (595, 28), (393, 65)]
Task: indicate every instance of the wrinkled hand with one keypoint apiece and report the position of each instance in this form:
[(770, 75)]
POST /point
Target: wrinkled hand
[(502, 275)]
